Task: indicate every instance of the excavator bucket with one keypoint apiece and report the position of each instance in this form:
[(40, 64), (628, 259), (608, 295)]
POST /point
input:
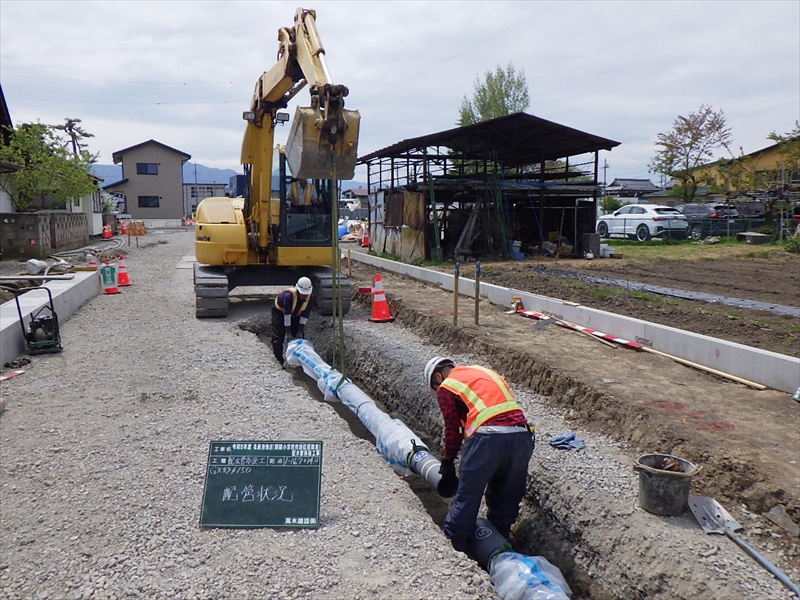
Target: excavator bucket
[(310, 153)]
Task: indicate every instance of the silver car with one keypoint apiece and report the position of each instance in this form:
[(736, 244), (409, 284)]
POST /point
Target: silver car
[(643, 222)]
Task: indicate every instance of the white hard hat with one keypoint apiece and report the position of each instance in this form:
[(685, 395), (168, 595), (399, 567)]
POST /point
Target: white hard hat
[(435, 363), (303, 286)]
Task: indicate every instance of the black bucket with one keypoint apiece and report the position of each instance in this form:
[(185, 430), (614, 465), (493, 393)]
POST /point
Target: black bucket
[(664, 492)]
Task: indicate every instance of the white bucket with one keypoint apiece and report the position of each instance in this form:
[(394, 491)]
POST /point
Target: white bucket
[(515, 246)]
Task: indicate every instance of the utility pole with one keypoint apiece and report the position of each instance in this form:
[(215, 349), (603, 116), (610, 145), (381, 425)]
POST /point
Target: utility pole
[(605, 172)]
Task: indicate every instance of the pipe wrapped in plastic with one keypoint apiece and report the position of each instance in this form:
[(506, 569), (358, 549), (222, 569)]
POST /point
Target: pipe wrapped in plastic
[(395, 442)]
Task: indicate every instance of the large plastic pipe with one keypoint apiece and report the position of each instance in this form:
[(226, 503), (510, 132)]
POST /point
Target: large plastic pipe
[(398, 445), (515, 576)]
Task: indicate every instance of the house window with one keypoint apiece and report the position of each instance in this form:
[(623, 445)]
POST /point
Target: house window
[(149, 201), (147, 168)]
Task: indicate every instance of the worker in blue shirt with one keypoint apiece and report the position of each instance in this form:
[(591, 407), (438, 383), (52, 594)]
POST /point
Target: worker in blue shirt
[(290, 314)]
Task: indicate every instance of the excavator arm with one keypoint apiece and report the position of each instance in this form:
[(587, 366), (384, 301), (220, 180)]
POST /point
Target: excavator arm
[(323, 138)]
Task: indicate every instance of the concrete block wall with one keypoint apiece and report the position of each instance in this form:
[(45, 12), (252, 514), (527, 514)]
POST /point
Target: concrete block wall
[(25, 235), (69, 231)]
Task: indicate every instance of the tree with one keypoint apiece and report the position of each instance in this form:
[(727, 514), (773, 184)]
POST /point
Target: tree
[(691, 143), (75, 134), (51, 174), (502, 92), (789, 149)]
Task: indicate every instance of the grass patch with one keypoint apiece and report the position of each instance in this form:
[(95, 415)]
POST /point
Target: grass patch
[(640, 295), (762, 254), (604, 293)]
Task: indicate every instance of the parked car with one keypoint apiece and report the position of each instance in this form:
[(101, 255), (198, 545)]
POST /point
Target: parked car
[(750, 210), (706, 219), (642, 222)]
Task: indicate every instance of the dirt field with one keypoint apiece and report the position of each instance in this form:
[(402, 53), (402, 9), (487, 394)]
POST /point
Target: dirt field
[(747, 442)]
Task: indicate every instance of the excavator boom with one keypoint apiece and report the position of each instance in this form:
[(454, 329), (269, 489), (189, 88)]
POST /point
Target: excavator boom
[(263, 238)]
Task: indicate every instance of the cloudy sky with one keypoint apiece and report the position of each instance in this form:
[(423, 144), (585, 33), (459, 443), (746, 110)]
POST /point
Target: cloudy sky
[(183, 72)]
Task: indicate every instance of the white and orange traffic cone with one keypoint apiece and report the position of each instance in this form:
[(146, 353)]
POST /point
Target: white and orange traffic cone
[(380, 308), (365, 237), (123, 227), (122, 272), (108, 278), (106, 232), (92, 260)]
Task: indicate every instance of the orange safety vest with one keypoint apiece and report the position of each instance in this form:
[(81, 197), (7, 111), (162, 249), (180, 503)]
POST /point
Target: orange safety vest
[(484, 392), (295, 193), (296, 310)]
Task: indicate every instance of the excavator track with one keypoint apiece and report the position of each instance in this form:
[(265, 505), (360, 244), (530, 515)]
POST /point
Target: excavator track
[(211, 291), (324, 293)]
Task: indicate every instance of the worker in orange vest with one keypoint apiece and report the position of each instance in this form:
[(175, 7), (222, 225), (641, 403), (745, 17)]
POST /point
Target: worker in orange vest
[(484, 422)]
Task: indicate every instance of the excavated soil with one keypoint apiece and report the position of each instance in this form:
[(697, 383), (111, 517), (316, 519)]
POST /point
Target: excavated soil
[(746, 441)]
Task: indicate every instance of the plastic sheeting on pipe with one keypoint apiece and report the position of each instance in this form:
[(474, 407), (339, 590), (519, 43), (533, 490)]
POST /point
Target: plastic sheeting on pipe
[(515, 576), (395, 442)]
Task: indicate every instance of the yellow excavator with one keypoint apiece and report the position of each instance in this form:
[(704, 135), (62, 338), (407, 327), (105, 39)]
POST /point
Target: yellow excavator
[(262, 238)]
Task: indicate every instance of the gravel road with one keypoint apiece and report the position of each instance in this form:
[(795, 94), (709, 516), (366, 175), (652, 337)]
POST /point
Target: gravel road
[(103, 450), (102, 462)]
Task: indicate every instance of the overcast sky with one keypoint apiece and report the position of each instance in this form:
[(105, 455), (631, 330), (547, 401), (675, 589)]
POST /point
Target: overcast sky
[(182, 73)]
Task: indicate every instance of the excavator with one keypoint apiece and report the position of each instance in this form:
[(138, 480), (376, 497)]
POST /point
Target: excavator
[(262, 239)]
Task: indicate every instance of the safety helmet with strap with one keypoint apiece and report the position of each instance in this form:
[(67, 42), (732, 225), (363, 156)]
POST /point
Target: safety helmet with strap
[(434, 364)]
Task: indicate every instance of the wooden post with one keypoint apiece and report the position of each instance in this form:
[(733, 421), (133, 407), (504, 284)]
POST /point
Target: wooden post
[(455, 296), (349, 264), (477, 289)]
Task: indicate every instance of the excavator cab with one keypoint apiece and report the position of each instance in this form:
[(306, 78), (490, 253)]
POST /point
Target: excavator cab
[(306, 209)]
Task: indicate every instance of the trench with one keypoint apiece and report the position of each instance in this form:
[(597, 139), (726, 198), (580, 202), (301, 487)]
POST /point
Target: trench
[(541, 534), (584, 521), (434, 505)]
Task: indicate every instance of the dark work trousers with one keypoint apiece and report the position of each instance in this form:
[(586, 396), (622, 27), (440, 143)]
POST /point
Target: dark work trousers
[(279, 332), (498, 464)]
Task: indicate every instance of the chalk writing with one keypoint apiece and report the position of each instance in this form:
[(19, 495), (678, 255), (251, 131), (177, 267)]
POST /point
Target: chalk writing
[(262, 483)]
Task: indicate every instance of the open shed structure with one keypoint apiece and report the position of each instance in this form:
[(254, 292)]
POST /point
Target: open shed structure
[(491, 189)]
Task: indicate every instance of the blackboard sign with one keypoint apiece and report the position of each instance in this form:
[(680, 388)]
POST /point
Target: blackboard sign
[(262, 484)]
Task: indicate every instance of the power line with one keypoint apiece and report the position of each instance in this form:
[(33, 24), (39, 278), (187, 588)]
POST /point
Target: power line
[(128, 81), (60, 101)]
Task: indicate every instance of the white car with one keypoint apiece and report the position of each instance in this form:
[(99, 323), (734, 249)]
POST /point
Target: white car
[(644, 221)]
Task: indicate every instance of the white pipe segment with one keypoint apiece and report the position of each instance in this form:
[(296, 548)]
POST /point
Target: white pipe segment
[(396, 443), (515, 576)]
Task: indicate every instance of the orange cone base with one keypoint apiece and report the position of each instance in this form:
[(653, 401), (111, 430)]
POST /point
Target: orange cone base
[(111, 290), (385, 320), (122, 280)]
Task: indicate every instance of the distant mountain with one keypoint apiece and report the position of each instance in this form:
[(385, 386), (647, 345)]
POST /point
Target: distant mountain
[(113, 173), (108, 173), (206, 174)]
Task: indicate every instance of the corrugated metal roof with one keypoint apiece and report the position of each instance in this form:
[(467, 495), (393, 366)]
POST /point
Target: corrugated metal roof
[(511, 140)]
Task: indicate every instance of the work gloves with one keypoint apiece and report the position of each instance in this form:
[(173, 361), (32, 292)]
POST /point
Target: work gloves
[(448, 485), (301, 332)]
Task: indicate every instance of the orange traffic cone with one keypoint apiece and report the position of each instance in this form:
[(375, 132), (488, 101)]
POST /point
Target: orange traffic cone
[(365, 237), (380, 308), (122, 272), (123, 227), (108, 278), (92, 260), (106, 232)]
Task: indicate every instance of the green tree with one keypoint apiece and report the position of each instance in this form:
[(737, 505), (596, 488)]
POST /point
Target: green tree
[(608, 204), (75, 133), (502, 92), (690, 144), (51, 173)]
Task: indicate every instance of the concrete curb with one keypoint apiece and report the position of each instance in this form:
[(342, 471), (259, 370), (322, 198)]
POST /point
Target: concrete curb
[(774, 370), (68, 297)]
